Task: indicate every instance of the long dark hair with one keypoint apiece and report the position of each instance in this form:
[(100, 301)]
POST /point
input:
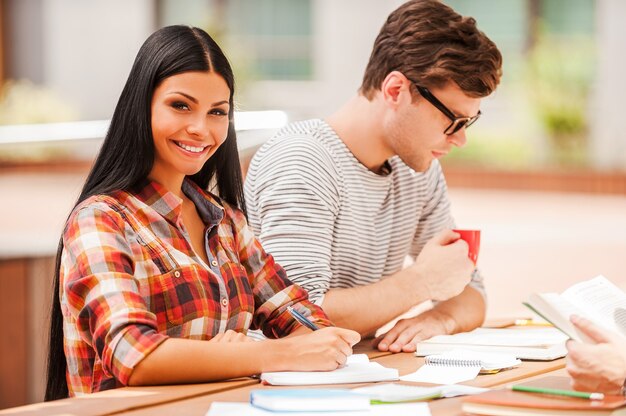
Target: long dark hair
[(127, 153)]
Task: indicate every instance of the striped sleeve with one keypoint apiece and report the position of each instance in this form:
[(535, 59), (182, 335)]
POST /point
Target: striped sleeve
[(296, 193), (100, 294), (436, 217)]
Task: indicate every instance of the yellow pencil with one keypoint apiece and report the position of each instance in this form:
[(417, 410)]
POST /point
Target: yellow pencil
[(530, 322)]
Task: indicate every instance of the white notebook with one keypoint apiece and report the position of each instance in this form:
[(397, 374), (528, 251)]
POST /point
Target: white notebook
[(532, 344), (358, 369), (460, 365)]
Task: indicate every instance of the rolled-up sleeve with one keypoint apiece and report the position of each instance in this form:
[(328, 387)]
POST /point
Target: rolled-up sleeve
[(273, 291), (100, 298)]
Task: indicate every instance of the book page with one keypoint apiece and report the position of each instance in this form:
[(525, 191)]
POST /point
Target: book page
[(557, 310), (601, 301)]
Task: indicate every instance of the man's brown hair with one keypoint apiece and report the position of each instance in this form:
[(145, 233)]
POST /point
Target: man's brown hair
[(431, 44)]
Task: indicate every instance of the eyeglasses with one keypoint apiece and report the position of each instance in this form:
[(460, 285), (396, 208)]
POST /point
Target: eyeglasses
[(457, 122)]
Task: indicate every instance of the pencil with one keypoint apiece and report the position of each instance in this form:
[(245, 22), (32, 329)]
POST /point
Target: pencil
[(530, 322), (559, 392)]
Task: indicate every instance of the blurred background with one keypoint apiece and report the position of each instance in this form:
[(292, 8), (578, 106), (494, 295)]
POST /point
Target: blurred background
[(543, 174)]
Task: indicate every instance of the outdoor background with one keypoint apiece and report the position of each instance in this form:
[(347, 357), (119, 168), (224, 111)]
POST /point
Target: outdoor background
[(543, 174)]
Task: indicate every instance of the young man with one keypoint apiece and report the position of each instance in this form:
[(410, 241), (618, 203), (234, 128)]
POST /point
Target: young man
[(341, 202)]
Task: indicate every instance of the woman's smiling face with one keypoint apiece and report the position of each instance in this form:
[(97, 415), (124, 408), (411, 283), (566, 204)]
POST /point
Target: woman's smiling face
[(189, 122)]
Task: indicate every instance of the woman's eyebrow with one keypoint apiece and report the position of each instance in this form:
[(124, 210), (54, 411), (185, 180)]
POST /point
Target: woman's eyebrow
[(195, 101), (189, 97)]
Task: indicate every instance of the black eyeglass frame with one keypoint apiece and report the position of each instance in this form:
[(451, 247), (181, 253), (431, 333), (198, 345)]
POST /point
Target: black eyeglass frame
[(457, 122)]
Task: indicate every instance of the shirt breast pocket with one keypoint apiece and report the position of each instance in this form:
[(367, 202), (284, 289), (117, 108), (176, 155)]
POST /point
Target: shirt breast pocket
[(179, 296)]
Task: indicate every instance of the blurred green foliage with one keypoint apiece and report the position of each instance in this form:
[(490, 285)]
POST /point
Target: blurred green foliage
[(560, 74), (484, 149)]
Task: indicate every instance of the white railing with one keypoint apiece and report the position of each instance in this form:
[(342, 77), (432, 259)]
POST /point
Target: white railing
[(245, 121)]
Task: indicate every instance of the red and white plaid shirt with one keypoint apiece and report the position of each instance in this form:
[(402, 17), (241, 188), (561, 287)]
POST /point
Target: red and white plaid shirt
[(130, 279)]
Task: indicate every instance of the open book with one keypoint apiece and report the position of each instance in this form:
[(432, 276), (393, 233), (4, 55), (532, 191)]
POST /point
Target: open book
[(597, 299), (358, 369), (531, 344)]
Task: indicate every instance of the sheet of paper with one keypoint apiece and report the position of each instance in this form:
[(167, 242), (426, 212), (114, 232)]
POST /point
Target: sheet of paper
[(454, 390), (238, 409), (441, 374), (358, 369)]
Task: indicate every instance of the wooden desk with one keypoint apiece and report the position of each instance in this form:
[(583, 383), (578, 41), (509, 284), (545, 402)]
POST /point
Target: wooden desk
[(195, 399), (125, 399), (406, 363)]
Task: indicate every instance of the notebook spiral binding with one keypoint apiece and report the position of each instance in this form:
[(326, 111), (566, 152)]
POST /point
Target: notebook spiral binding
[(453, 362)]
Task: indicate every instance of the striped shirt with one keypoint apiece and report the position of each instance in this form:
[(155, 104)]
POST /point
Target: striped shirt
[(130, 279), (333, 223)]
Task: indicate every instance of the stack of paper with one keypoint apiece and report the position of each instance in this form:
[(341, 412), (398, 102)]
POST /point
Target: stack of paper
[(358, 369), (531, 344)]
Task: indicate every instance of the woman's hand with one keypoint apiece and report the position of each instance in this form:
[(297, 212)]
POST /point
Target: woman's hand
[(322, 350), (231, 336), (598, 367)]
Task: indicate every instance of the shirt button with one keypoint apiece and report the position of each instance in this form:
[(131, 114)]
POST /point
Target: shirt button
[(176, 273), (214, 263), (224, 302)]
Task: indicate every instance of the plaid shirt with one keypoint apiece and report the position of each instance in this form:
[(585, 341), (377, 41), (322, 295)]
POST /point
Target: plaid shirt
[(130, 279)]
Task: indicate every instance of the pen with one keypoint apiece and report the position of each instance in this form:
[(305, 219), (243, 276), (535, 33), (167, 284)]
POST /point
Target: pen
[(558, 392), (302, 319)]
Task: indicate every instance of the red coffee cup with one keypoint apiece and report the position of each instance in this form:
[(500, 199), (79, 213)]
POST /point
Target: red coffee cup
[(472, 238)]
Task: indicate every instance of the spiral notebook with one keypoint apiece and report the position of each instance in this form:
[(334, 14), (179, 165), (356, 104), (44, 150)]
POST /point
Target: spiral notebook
[(460, 365)]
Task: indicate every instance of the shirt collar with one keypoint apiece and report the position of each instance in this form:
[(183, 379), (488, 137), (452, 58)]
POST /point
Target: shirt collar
[(170, 206)]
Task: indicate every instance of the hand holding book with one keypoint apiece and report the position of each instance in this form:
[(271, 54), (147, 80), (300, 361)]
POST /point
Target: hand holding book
[(599, 365)]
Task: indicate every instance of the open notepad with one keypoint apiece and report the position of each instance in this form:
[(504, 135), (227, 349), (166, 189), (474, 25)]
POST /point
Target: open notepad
[(460, 365), (531, 344), (358, 369)]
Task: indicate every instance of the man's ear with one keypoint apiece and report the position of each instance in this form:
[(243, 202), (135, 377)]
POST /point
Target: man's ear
[(395, 88)]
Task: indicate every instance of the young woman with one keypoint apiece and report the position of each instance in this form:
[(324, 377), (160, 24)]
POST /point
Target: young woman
[(154, 273)]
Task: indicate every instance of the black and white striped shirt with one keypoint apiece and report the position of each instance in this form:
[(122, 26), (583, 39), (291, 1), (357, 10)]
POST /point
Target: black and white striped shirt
[(333, 223)]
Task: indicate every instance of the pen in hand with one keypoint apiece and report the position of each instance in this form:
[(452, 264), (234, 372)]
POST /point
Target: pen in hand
[(302, 319)]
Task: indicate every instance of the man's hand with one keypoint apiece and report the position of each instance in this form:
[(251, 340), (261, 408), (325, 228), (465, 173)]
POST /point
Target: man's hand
[(406, 333), (599, 367), (443, 266)]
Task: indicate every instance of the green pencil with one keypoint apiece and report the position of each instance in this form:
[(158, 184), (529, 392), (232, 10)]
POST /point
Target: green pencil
[(559, 392)]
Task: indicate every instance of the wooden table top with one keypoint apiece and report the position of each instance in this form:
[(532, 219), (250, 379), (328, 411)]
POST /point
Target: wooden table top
[(196, 399)]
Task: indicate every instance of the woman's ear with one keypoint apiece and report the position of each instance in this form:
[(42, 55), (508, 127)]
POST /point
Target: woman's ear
[(395, 89)]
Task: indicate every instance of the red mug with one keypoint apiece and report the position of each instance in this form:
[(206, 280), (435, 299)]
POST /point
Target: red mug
[(472, 238)]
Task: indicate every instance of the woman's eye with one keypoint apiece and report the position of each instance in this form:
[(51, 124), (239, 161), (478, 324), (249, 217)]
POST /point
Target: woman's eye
[(180, 106), (218, 112)]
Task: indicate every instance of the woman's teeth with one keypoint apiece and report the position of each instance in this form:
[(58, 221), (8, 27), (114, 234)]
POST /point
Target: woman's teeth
[(188, 148)]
